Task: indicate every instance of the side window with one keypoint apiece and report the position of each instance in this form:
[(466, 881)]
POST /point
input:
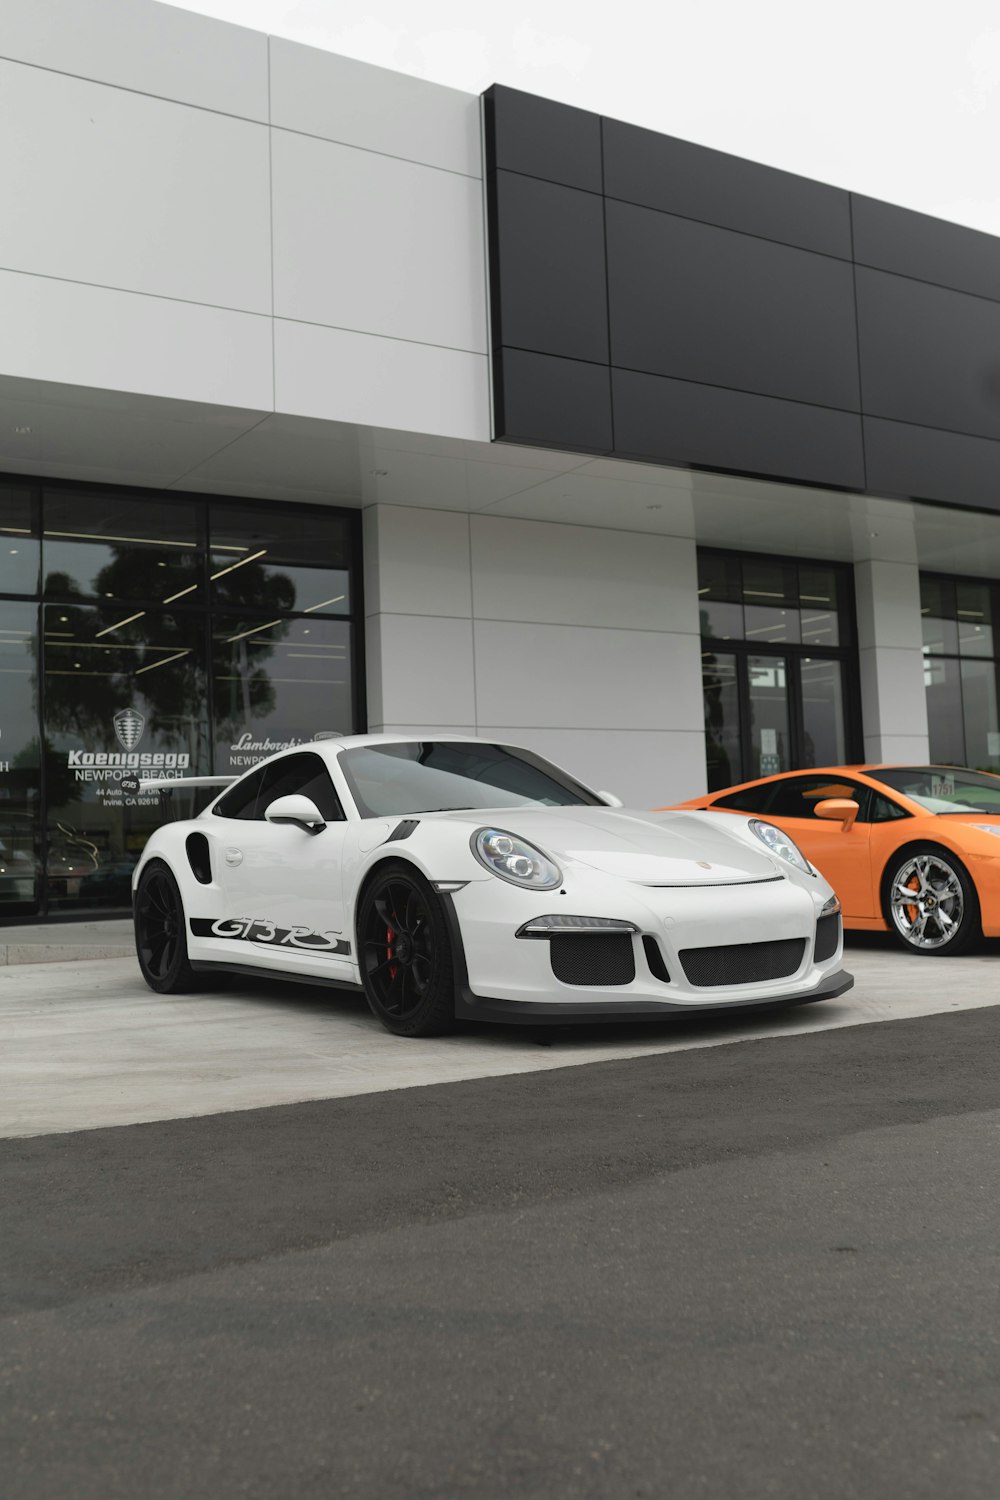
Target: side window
[(884, 811), (241, 799), (752, 799), (305, 774), (798, 797)]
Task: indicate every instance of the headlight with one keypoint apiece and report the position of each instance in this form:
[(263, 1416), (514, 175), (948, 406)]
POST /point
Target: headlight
[(780, 844), (987, 828), (512, 859)]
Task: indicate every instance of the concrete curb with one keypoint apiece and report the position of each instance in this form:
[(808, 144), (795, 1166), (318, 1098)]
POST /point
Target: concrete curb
[(59, 953)]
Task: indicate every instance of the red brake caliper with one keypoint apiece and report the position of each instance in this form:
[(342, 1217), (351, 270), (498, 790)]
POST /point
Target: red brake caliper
[(389, 935)]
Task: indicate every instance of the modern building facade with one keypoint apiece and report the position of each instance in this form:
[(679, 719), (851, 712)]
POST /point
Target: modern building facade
[(333, 399)]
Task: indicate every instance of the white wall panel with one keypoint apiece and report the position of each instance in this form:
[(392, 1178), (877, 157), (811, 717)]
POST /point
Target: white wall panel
[(119, 341), (136, 44), (420, 670), (893, 696), (564, 677), (645, 769), (122, 190), (344, 100), (355, 377), (378, 245), (423, 562), (579, 575), (888, 602)]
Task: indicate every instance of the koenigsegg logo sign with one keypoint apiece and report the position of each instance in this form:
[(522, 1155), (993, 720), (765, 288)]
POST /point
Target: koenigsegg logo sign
[(129, 725), (259, 931), (112, 765)]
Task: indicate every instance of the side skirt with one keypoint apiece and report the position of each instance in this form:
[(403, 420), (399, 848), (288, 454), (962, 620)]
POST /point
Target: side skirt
[(250, 971)]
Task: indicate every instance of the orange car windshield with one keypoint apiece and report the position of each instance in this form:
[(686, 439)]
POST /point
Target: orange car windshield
[(944, 789)]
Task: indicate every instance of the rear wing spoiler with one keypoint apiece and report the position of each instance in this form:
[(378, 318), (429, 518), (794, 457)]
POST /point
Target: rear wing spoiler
[(170, 783)]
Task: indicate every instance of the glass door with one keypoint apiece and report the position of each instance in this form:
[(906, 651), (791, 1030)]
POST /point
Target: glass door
[(767, 690)]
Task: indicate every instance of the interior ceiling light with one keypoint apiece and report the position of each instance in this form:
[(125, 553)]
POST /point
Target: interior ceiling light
[(189, 590), (255, 631), (140, 541), (21, 431), (242, 562), (151, 667), (109, 628), (323, 603)]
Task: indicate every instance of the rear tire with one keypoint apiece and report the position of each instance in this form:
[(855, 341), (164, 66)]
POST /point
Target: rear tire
[(929, 902), (161, 932), (404, 954)]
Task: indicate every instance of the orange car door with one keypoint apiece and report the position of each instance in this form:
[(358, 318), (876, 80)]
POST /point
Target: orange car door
[(842, 855)]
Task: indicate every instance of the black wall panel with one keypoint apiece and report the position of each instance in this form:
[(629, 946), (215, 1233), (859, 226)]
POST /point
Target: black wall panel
[(923, 463), (912, 244), (662, 172), (704, 426), (552, 403), (549, 248), (668, 303), (542, 139), (701, 303), (929, 355)]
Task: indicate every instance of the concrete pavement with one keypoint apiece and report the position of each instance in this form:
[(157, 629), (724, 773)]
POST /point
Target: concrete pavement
[(88, 1045)]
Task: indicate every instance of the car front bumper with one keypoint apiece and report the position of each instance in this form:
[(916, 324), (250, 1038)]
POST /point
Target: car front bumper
[(500, 976)]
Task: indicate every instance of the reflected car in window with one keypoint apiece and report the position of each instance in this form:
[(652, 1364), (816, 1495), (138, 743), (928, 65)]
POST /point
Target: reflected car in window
[(914, 850), (457, 878)]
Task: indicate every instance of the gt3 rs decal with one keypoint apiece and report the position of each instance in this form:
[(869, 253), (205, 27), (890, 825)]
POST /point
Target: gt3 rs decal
[(259, 931)]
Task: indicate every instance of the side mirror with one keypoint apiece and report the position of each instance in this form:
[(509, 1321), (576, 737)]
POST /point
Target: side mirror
[(298, 810), (838, 810), (610, 799)]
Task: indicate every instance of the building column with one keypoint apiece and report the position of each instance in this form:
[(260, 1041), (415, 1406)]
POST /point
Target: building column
[(891, 662)]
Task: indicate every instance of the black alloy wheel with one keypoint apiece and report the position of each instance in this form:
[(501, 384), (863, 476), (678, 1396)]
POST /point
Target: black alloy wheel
[(405, 954), (160, 937), (930, 902)]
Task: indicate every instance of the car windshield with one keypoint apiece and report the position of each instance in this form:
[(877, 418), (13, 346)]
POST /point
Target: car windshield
[(447, 775), (943, 789)]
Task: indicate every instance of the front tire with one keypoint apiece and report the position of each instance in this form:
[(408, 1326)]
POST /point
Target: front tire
[(929, 902), (161, 932), (405, 954)]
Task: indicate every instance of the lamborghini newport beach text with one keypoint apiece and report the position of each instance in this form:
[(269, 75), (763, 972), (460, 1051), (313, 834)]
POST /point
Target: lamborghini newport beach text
[(458, 878)]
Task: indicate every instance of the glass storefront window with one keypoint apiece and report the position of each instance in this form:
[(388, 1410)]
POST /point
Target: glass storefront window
[(269, 558), (960, 671), (722, 717), (121, 547), (824, 739), (769, 710), (19, 550), (113, 662), (20, 767), (277, 683), (769, 737), (121, 697)]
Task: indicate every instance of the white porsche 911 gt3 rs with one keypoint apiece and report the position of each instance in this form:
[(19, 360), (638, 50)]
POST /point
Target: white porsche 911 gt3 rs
[(452, 877)]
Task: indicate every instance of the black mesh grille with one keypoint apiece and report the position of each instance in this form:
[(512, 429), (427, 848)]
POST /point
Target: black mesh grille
[(597, 959), (827, 937), (654, 959), (743, 963)]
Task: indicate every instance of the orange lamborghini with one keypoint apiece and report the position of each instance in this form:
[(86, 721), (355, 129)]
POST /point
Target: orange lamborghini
[(915, 849)]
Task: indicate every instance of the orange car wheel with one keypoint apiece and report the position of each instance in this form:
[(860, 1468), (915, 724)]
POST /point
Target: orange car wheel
[(929, 901)]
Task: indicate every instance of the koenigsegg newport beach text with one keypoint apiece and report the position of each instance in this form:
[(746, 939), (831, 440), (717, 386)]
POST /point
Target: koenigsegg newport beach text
[(457, 878)]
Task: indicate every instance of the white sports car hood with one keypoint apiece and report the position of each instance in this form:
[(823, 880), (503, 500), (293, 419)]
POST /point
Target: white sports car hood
[(653, 849)]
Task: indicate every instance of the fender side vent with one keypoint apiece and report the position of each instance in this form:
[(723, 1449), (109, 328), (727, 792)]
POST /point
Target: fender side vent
[(654, 958), (199, 857), (403, 830)]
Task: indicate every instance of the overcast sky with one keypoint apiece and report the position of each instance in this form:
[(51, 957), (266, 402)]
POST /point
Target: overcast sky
[(896, 98)]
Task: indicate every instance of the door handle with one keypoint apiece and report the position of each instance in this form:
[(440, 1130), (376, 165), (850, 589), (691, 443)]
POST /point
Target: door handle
[(234, 856)]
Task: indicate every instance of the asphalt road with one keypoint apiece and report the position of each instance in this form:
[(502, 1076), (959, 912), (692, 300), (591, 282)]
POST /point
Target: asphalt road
[(764, 1270)]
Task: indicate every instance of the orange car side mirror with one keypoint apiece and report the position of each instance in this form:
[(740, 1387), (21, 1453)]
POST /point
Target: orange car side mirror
[(839, 809)]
